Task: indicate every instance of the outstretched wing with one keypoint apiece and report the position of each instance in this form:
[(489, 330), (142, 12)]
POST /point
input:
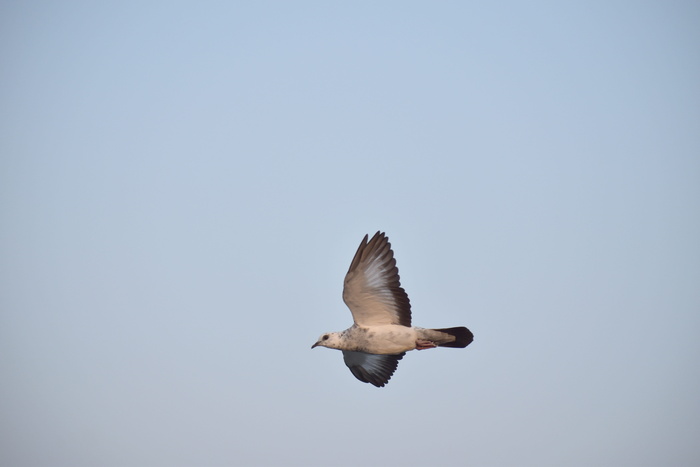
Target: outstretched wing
[(372, 368), (372, 289)]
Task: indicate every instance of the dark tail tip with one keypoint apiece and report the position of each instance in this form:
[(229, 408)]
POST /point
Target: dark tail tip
[(463, 337)]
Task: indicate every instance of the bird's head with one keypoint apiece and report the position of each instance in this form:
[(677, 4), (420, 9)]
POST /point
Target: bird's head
[(329, 339)]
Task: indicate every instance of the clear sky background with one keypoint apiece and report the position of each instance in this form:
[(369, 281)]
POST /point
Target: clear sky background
[(183, 186)]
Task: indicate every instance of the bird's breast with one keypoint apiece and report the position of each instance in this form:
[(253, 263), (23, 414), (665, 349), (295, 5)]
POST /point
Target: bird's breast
[(385, 339)]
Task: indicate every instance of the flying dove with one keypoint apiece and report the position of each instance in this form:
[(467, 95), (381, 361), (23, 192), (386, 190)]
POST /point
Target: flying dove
[(382, 332)]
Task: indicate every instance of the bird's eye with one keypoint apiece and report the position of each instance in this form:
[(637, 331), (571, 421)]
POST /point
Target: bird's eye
[(325, 338)]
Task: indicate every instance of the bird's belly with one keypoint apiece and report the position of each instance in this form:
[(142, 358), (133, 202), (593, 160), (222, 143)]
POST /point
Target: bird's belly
[(388, 339)]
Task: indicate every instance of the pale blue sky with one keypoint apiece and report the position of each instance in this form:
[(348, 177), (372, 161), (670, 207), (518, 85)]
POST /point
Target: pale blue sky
[(183, 186)]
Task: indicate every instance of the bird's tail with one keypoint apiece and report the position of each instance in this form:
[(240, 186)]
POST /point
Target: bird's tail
[(462, 337)]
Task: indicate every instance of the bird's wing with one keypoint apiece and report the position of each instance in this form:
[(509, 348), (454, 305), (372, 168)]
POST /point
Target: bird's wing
[(372, 289), (372, 368)]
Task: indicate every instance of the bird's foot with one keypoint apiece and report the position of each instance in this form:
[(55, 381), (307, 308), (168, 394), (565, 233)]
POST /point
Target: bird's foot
[(422, 344)]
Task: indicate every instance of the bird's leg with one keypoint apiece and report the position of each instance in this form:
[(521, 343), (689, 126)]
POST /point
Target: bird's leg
[(422, 344)]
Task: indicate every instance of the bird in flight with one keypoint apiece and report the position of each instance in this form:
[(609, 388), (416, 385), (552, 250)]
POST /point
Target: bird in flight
[(382, 332)]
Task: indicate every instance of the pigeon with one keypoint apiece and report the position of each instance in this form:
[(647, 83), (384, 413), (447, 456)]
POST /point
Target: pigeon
[(382, 332)]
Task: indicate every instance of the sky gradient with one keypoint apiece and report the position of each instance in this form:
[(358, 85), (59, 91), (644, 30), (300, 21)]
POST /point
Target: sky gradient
[(183, 186)]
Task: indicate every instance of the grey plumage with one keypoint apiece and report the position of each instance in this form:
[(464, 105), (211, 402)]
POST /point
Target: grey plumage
[(382, 332)]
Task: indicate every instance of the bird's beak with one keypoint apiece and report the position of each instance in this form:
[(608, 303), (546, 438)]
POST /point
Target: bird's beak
[(314, 345)]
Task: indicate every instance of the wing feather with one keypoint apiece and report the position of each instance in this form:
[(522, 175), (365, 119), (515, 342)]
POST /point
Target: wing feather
[(373, 289), (372, 368)]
